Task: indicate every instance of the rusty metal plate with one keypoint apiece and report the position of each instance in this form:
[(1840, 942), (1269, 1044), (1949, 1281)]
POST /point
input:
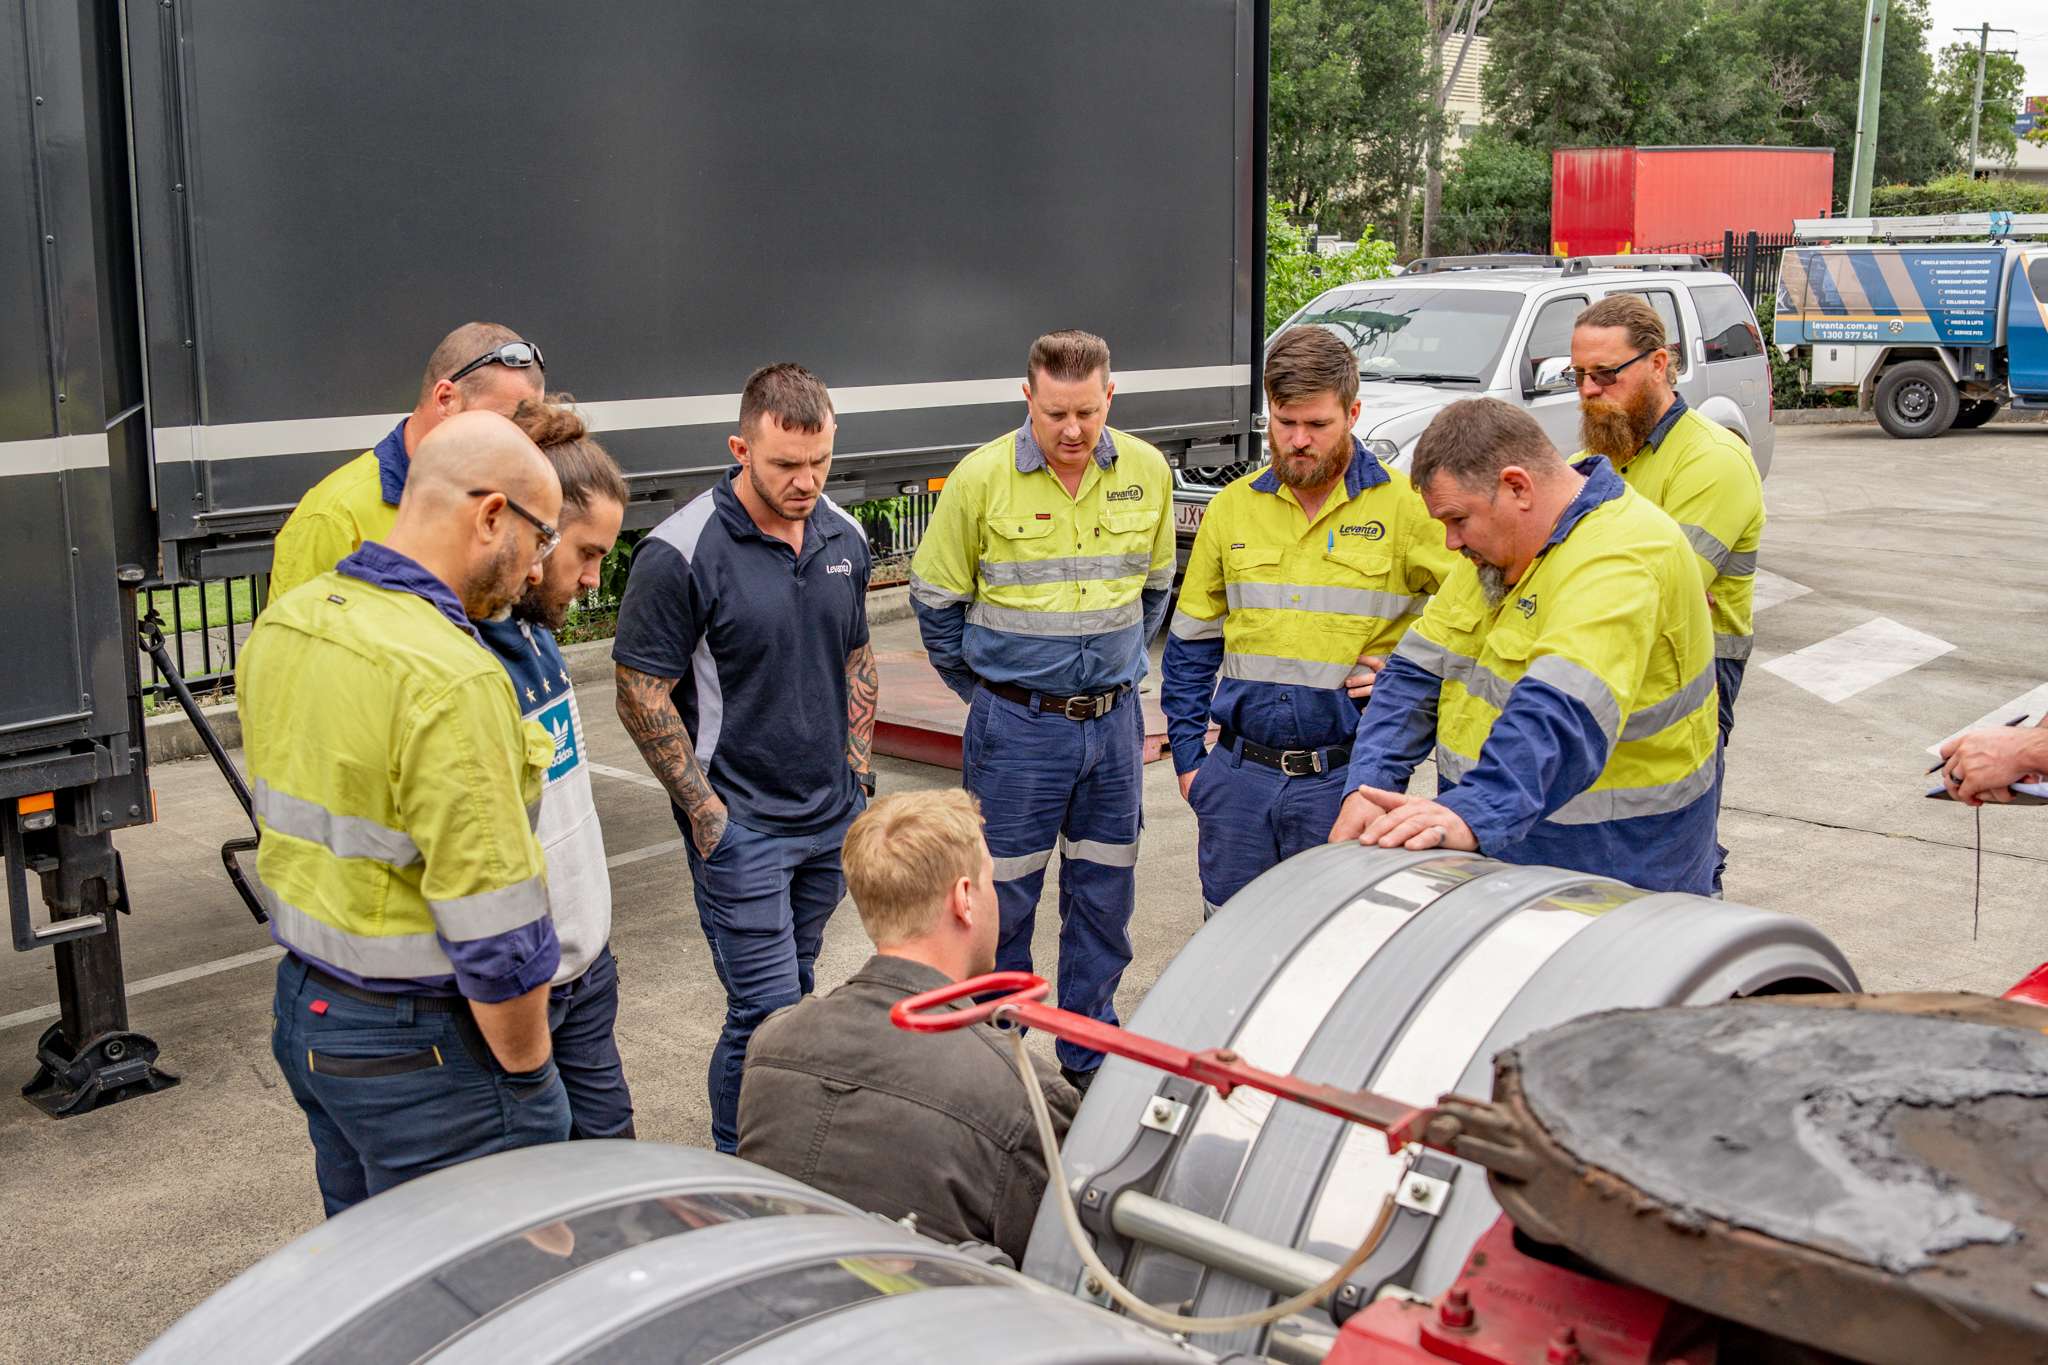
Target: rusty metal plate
[(1864, 1174)]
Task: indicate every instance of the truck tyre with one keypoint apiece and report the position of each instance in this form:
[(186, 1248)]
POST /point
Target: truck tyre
[(1915, 400), (1974, 414)]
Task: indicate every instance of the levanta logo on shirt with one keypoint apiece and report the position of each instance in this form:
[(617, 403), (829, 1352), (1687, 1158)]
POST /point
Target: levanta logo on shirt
[(1133, 493), (844, 566), (560, 723)]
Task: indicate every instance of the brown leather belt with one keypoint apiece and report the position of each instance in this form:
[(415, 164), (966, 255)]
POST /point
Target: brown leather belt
[(1073, 708)]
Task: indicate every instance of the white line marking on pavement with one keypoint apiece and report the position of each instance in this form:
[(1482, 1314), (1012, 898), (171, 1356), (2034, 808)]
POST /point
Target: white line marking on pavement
[(228, 964), (642, 779), (1840, 666), (1773, 589), (2031, 704)]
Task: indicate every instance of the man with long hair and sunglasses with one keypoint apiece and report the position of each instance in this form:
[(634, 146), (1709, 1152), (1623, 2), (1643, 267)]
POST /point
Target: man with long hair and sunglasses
[(1701, 473), (479, 365)]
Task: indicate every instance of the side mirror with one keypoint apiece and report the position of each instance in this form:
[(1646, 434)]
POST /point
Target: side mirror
[(1549, 376), (1525, 376)]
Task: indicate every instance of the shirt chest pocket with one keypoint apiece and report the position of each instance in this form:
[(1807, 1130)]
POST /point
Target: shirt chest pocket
[(1349, 567), (1016, 550), (1507, 653), (540, 756), (1127, 532), (1252, 564)]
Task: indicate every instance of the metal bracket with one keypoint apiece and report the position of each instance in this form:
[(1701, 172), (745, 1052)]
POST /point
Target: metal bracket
[(1424, 1191), (26, 933), (1137, 1168), (110, 1068)]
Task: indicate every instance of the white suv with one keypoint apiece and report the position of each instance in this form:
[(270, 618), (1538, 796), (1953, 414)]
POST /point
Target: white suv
[(1500, 327)]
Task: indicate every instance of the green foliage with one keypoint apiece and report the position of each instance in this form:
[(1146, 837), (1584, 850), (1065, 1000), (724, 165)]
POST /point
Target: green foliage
[(1294, 276), (1787, 389), (611, 575), (1955, 89), (1348, 108), (1496, 198), (1959, 193)]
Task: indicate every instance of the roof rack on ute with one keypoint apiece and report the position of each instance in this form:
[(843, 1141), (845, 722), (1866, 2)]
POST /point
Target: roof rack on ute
[(1573, 265), (1522, 260), (1662, 260)]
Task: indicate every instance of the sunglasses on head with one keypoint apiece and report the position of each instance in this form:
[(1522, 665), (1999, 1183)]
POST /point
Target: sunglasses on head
[(517, 355), (1603, 376)]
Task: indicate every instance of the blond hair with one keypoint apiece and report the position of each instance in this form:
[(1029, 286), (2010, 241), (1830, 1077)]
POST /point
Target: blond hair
[(1633, 313), (903, 854)]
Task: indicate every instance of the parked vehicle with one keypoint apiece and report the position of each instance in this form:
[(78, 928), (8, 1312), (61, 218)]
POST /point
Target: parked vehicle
[(1500, 327), (1633, 199), (1929, 336)]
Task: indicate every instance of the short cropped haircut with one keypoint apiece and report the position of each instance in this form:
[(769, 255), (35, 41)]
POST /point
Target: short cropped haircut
[(1306, 361), (586, 469), (1474, 439), (463, 345), (903, 853), (789, 393), (1632, 311), (1068, 357)]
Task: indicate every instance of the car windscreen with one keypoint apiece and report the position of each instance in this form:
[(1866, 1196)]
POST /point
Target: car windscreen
[(1421, 334)]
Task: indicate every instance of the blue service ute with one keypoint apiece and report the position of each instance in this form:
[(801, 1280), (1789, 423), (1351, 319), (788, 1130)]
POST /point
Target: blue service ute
[(1925, 325)]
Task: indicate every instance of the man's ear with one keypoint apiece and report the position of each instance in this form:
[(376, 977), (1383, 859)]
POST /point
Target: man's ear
[(447, 399), (1518, 484), (960, 902), (738, 446)]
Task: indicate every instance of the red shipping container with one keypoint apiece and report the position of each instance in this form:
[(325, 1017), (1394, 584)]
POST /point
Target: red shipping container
[(1616, 200)]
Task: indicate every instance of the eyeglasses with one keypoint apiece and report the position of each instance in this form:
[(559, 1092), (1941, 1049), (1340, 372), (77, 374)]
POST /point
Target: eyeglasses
[(1603, 376), (517, 355), (549, 536)]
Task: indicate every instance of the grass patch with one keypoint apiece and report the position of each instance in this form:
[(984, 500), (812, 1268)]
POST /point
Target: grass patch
[(216, 597)]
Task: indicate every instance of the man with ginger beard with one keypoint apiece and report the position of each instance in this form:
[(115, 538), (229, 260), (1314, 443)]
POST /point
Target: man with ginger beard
[(1698, 471), (1302, 578)]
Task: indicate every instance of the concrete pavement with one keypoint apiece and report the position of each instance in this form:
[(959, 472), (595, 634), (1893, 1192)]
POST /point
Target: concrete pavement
[(120, 1221)]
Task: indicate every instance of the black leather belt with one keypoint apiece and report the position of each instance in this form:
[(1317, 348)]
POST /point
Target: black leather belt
[(426, 1004), (1292, 762), (1073, 708)]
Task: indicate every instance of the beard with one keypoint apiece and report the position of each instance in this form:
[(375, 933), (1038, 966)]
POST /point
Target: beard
[(782, 509), (1290, 468), (494, 588), (534, 608), (1618, 430), (1493, 579)]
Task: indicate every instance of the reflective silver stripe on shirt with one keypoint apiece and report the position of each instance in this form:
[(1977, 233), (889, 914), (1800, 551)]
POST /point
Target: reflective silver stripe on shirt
[(345, 836), (1632, 803), (1582, 685), (1674, 708), (1706, 545), (408, 957), (1015, 573), (1733, 646), (1739, 564), (1425, 654), (1272, 668), (1451, 765), (1322, 597), (923, 591), (1186, 627), (1023, 865), (1095, 851), (1161, 578), (1021, 621), (492, 912)]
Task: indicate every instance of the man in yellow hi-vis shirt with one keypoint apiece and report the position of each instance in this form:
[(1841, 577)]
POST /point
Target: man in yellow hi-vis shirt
[(1565, 675), (392, 778), (1046, 570), (1299, 571)]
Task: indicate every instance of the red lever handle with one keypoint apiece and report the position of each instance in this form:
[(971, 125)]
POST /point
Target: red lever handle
[(924, 1012)]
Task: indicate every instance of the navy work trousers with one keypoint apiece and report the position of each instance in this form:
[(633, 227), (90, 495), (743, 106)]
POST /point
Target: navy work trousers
[(393, 1091), (583, 1017), (1249, 817), (1047, 783), (762, 900), (1727, 682)]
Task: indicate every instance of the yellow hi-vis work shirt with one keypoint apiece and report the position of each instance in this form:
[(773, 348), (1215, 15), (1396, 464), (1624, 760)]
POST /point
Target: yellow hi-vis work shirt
[(1283, 606), (1017, 581), (1705, 478), (355, 503), (1574, 723), (393, 780)]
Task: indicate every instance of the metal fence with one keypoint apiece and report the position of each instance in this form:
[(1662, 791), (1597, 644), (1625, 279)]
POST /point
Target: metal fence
[(204, 625), (1753, 258)]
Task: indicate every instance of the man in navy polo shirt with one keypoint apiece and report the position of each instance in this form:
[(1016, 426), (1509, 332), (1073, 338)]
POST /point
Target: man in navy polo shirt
[(746, 678)]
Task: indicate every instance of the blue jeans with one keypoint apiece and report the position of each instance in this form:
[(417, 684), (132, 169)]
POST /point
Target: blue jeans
[(393, 1091), (1727, 682), (582, 1018), (1050, 784), (762, 900), (1250, 817)]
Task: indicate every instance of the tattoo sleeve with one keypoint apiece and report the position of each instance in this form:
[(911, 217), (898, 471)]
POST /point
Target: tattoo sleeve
[(649, 715), (863, 687)]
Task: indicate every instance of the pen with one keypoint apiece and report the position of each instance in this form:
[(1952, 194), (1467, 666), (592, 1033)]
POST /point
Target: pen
[(1333, 542), (2016, 720)]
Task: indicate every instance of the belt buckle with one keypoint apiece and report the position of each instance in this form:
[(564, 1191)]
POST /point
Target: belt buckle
[(1315, 762), (1083, 708)]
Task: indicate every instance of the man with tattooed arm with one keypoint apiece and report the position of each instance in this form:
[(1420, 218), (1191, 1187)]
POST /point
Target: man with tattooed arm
[(746, 678)]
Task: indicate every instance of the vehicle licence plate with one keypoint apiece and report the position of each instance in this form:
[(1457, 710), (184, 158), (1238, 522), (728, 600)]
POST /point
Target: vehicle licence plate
[(1187, 516)]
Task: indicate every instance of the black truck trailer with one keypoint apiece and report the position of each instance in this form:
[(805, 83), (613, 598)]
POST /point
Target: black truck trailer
[(231, 230)]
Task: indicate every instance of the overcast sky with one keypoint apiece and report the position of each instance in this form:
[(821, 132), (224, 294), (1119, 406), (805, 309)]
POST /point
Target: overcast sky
[(2030, 19)]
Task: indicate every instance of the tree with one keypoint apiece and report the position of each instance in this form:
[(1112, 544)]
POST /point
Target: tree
[(1955, 89), (1496, 198), (1294, 275)]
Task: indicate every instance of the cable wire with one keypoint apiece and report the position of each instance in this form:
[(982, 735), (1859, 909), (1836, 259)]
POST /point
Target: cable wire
[(1138, 1308)]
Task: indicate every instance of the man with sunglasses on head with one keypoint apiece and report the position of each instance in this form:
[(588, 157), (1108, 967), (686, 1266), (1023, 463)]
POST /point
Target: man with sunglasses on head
[(1698, 471), (478, 365), (392, 778)]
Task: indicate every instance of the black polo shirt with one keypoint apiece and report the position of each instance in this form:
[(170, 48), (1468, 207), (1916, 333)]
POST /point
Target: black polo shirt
[(756, 636)]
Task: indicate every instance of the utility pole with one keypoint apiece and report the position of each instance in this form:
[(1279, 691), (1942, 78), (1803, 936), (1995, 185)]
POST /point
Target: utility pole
[(1468, 19), (1984, 32), (1864, 165)]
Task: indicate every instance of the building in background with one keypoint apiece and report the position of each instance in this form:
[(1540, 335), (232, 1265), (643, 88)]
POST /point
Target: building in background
[(1464, 103)]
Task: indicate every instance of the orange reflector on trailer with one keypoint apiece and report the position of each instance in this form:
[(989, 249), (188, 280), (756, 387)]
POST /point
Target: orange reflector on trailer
[(934, 485), (41, 801)]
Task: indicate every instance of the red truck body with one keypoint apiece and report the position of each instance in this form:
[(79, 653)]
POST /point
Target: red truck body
[(1616, 200)]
